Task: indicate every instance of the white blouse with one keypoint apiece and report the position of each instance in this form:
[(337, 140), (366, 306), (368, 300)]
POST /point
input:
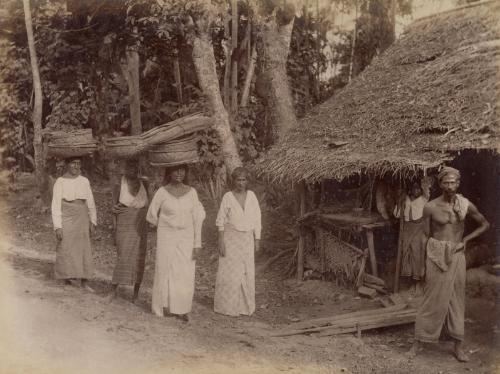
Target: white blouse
[(126, 198), (72, 189), (231, 214), (183, 212)]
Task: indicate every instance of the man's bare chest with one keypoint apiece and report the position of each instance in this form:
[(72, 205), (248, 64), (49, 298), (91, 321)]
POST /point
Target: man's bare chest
[(444, 214)]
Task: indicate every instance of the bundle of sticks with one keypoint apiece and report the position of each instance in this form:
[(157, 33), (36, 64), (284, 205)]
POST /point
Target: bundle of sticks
[(352, 322)]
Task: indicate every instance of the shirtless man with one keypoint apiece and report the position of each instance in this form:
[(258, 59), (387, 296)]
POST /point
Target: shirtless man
[(443, 303)]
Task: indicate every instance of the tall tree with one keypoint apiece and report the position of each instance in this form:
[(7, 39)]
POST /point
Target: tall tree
[(234, 63), (131, 73), (277, 25), (205, 65), (37, 105)]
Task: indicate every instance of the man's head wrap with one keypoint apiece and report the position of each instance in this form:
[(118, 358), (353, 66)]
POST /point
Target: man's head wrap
[(447, 170)]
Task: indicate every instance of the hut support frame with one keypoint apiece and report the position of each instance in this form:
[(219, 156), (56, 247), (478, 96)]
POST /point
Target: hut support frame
[(301, 190)]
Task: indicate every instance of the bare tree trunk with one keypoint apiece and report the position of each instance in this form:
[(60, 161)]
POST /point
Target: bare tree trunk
[(178, 81), (353, 44), (37, 105), (277, 45), (393, 20), (234, 62), (204, 62), (131, 72), (227, 71), (248, 78)]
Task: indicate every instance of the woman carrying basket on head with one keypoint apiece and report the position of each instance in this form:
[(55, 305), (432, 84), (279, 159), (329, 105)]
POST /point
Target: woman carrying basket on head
[(239, 224), (74, 218), (178, 215), (130, 205)]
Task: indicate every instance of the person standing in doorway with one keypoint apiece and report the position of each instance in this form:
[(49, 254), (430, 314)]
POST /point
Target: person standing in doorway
[(413, 253)]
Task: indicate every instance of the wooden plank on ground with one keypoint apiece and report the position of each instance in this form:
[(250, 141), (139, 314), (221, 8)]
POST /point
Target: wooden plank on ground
[(318, 322), (388, 318), (402, 320)]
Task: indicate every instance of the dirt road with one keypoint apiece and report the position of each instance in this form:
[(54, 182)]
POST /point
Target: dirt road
[(47, 327), (54, 328)]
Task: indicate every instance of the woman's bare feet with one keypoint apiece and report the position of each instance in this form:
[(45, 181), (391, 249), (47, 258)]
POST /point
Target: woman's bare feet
[(415, 348), (459, 352), (86, 287), (182, 317)]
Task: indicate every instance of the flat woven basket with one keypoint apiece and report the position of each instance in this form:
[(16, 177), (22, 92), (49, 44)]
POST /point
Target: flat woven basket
[(124, 146), (180, 151), (64, 150), (70, 137)]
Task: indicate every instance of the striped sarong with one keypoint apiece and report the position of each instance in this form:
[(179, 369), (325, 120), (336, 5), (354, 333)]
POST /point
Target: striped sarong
[(131, 239), (235, 282), (73, 253), (413, 253)]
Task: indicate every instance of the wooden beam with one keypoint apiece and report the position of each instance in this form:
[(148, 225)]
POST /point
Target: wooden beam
[(400, 242), (371, 250), (302, 210), (322, 321)]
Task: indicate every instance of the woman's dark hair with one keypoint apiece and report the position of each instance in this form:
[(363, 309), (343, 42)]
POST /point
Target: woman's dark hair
[(170, 169), (69, 160), (239, 171)]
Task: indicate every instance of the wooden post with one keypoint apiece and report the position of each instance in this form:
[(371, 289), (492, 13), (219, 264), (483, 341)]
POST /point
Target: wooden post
[(300, 253), (400, 241), (322, 250), (371, 249)]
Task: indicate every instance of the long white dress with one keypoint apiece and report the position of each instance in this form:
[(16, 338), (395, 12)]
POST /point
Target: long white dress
[(235, 282), (179, 221)]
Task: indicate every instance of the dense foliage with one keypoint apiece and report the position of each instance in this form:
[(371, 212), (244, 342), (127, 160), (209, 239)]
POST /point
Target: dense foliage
[(81, 47)]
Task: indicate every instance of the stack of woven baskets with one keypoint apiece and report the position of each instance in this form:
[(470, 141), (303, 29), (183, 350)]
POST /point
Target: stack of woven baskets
[(170, 144), (179, 151), (76, 143)]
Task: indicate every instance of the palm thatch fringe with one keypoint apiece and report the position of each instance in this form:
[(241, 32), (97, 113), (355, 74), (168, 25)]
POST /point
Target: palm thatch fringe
[(432, 93)]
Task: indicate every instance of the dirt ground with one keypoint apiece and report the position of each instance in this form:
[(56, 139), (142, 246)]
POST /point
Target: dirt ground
[(48, 327)]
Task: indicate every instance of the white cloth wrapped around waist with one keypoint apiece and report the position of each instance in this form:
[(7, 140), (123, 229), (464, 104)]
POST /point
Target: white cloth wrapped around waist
[(126, 198), (440, 252)]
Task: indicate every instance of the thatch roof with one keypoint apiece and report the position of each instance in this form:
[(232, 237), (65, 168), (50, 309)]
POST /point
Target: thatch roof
[(435, 91)]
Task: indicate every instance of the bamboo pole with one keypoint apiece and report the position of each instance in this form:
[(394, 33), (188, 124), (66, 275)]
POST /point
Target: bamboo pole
[(400, 240), (302, 210)]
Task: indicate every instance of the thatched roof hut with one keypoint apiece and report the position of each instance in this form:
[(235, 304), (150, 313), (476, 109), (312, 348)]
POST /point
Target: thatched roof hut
[(431, 94)]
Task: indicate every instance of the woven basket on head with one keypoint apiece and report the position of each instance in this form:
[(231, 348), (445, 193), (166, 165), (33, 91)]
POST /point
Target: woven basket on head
[(64, 150), (124, 146), (180, 151), (70, 137)]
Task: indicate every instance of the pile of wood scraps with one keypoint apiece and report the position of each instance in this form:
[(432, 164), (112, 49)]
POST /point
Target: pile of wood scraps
[(359, 321), (371, 286)]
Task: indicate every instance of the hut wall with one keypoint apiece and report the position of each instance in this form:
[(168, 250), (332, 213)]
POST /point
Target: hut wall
[(480, 183)]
